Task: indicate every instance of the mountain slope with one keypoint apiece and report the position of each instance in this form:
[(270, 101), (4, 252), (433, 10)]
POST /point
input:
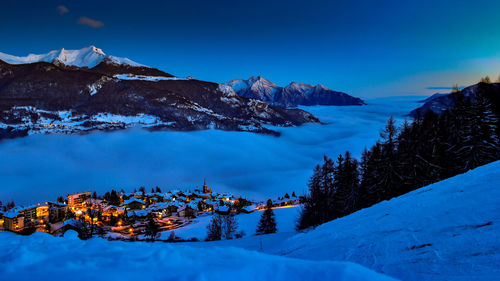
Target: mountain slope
[(438, 103), (292, 95), (45, 97), (449, 230)]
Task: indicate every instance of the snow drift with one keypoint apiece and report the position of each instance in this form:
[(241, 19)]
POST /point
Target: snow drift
[(43, 257)]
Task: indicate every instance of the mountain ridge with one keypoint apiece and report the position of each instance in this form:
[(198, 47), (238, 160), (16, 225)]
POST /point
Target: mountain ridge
[(53, 97), (292, 95)]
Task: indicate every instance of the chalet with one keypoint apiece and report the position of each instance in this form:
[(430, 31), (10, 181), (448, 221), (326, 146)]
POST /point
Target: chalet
[(187, 211), (223, 210), (134, 204), (155, 197), (95, 204)]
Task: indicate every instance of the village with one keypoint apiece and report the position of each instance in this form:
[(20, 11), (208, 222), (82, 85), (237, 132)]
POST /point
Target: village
[(127, 216)]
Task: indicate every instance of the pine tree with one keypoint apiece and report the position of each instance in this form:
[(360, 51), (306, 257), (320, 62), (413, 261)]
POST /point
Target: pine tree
[(346, 182), (267, 223), (388, 177), (478, 145), (485, 79), (152, 228), (310, 212)]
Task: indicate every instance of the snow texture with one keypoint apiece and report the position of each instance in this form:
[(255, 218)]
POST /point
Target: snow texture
[(449, 230), (146, 78), (43, 257)]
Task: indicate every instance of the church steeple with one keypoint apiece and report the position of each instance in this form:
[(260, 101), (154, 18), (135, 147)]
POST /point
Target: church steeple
[(205, 187)]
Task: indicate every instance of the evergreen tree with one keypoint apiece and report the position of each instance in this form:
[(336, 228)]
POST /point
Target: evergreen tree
[(388, 177), (152, 228), (158, 190), (310, 212), (112, 197), (485, 79), (370, 191), (142, 189), (267, 223), (346, 182), (478, 143)]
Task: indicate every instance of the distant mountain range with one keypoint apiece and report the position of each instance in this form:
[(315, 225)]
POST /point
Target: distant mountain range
[(292, 95), (438, 103), (72, 91)]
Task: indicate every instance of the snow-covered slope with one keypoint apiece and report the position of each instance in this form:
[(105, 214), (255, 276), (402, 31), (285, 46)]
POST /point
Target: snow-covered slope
[(86, 57), (449, 230), (43, 257)]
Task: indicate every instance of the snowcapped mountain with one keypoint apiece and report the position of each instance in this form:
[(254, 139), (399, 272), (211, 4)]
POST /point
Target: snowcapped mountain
[(292, 95), (86, 90), (87, 57)]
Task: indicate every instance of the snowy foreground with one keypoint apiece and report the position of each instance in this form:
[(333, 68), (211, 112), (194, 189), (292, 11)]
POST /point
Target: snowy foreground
[(42, 257), (445, 231)]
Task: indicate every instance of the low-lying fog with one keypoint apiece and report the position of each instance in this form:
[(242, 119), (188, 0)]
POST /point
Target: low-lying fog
[(39, 168)]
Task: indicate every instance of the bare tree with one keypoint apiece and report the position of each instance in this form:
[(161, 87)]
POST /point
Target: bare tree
[(229, 226)]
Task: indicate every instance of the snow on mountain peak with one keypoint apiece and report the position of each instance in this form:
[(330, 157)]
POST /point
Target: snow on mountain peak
[(85, 57)]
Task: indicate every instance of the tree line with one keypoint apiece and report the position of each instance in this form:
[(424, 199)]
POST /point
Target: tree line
[(429, 149)]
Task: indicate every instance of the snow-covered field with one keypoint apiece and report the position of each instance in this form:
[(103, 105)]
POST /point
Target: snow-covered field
[(42, 257), (445, 231), (41, 167), (285, 220)]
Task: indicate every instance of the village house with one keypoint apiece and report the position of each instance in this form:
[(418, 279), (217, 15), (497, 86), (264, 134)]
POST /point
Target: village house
[(134, 204), (13, 220), (57, 212), (76, 201), (187, 210), (110, 212), (30, 216)]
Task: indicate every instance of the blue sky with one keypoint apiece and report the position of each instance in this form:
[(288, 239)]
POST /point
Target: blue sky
[(366, 48)]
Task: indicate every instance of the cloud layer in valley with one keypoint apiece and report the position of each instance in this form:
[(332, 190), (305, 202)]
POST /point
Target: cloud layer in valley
[(41, 167)]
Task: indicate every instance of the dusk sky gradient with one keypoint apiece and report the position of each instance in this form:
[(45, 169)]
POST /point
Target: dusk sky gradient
[(365, 48)]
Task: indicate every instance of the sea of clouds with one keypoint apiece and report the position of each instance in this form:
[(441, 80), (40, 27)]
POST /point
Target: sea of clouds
[(41, 167)]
